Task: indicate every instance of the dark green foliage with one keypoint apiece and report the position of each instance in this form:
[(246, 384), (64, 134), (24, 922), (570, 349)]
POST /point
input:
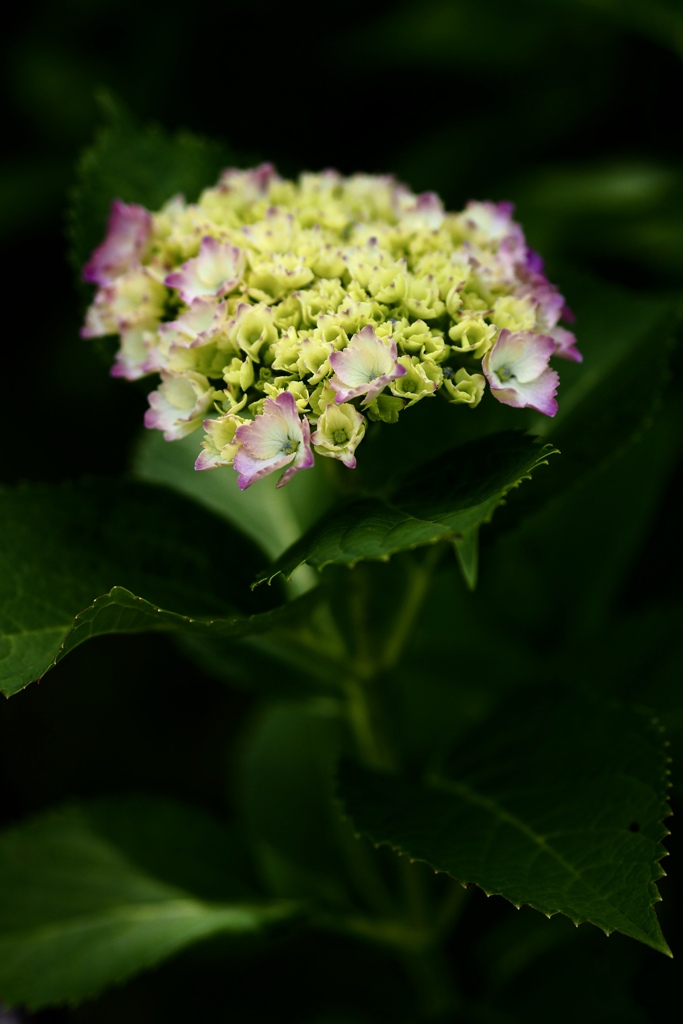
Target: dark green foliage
[(445, 499), (557, 801), (147, 166), (105, 556), (91, 894)]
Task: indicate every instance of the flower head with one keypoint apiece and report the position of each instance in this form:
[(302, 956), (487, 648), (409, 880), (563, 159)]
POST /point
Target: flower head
[(296, 314)]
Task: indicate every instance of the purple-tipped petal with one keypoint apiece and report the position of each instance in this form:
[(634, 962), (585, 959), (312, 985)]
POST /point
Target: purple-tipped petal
[(423, 211), (364, 367), (214, 272), (179, 404), (128, 233), (536, 394), (517, 371), (566, 344), (277, 438), (534, 262)]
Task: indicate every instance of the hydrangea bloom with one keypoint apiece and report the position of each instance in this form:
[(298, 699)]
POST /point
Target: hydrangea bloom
[(297, 311)]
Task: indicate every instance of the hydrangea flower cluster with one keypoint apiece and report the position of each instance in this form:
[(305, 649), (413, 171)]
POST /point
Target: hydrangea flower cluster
[(283, 316)]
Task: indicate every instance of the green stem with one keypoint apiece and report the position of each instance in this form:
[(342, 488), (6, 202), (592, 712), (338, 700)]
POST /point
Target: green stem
[(417, 938), (412, 603), (450, 909), (373, 745), (368, 878), (432, 979), (365, 711)]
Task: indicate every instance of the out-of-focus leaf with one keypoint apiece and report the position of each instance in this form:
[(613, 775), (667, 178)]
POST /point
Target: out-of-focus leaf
[(146, 166), (92, 894)]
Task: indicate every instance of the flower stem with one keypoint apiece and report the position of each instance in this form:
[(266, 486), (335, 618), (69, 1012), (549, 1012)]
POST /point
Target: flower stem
[(416, 930), (412, 603)]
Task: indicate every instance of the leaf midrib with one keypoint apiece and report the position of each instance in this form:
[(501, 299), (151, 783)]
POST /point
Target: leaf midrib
[(178, 907), (464, 791)]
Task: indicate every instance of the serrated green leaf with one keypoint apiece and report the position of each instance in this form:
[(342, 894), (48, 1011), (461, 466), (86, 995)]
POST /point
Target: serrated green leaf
[(102, 556), (91, 894), (445, 499), (556, 802)]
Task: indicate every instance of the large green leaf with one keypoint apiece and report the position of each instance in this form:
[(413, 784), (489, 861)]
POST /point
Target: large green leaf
[(92, 894), (103, 556), (446, 499), (556, 802)]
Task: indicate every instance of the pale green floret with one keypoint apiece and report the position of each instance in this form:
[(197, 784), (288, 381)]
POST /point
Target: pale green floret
[(425, 243), (219, 441), (472, 301), (328, 263), (265, 378), (323, 300), (385, 408), (420, 381), (330, 332), (389, 285), (422, 299), (270, 280), (323, 396), (473, 336), (339, 431), (354, 316), (454, 300), (422, 340), (239, 373), (276, 233), (465, 388), (212, 203), (295, 387), (515, 314), (206, 359), (287, 314), (287, 352), (314, 360), (253, 329), (134, 299)]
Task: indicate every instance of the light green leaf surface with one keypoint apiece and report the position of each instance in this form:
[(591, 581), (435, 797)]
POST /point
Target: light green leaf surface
[(272, 517), (556, 802), (101, 556), (91, 894), (444, 500)]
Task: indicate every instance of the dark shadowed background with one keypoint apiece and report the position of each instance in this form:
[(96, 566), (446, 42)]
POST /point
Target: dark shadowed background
[(569, 108)]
